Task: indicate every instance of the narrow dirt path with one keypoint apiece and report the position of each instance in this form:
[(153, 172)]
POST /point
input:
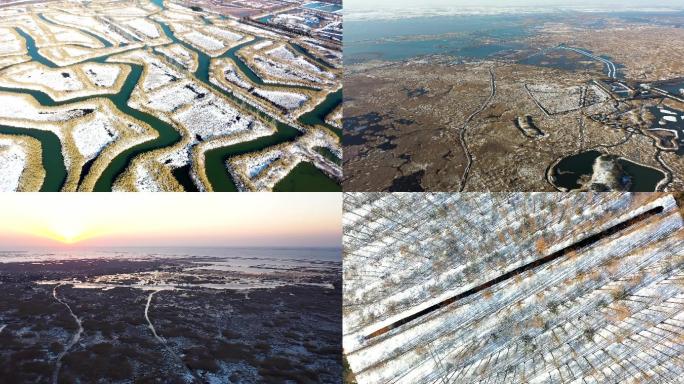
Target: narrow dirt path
[(74, 339), (464, 130), (162, 340)]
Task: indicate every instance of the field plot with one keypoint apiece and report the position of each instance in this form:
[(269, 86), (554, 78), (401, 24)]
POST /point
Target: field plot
[(163, 96), (513, 288)]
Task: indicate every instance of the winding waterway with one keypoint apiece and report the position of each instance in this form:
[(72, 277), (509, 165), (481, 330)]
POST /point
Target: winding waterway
[(215, 159)]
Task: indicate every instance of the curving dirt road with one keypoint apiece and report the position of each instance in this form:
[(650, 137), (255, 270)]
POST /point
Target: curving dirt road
[(464, 130), (74, 339)]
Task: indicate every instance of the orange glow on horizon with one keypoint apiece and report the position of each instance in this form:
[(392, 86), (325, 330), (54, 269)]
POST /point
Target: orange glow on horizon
[(173, 219)]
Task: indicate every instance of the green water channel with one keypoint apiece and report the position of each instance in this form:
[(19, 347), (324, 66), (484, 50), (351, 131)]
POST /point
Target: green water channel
[(55, 171), (215, 159), (167, 134), (305, 177)]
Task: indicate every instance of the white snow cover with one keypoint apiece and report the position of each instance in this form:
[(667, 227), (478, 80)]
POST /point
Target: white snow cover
[(158, 73), (212, 118), (167, 99), (53, 79), (93, 135), (287, 55), (144, 26), (284, 71), (224, 33), (144, 182), (9, 44), (396, 260), (12, 163), (88, 23), (205, 42), (102, 75), (287, 100)]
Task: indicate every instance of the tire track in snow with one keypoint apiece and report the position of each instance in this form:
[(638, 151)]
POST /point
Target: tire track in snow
[(74, 339)]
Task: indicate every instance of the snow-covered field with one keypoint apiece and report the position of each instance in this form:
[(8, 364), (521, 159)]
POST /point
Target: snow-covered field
[(12, 163), (224, 33), (145, 27), (10, 44), (63, 79), (168, 99), (288, 56), (102, 75), (556, 99), (283, 71), (93, 134), (212, 117), (287, 100), (158, 72), (204, 42)]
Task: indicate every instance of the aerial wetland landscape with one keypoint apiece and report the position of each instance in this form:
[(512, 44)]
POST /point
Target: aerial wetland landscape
[(170, 96), (515, 101), (165, 316)]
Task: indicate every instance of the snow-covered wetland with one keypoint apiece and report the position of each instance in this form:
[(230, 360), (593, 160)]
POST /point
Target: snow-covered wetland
[(183, 315), (182, 77), (513, 287)]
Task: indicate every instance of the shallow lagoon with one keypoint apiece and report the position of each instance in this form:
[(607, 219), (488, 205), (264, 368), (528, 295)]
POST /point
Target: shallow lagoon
[(570, 170), (455, 35)]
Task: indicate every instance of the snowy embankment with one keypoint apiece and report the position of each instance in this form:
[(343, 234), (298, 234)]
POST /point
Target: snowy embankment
[(15, 105), (180, 55), (262, 44), (231, 74), (12, 164)]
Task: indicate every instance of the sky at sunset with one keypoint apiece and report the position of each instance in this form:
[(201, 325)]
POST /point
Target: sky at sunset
[(170, 219)]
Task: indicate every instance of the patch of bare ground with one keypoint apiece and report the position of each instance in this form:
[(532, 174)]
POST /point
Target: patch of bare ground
[(402, 122)]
